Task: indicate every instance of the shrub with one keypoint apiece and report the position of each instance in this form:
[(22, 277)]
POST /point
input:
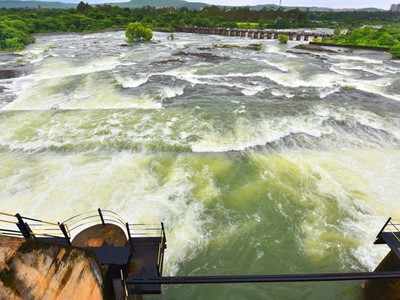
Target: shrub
[(14, 35), (283, 38), (137, 32), (395, 51)]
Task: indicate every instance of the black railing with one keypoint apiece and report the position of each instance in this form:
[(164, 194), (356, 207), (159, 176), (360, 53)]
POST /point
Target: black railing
[(149, 231), (390, 226), (80, 222), (26, 227)]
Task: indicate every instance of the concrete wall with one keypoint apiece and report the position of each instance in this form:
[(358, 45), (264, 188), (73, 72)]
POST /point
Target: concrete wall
[(384, 289)]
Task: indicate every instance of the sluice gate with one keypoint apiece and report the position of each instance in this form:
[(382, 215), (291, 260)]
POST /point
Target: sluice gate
[(134, 253)]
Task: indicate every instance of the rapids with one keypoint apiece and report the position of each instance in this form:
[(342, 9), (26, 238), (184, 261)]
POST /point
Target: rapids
[(258, 162)]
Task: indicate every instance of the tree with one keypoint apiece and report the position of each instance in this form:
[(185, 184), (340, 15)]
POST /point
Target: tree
[(283, 38), (137, 32), (338, 31), (82, 6), (386, 39)]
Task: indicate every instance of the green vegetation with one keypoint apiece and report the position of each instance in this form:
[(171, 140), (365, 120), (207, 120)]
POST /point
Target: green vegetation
[(283, 38), (395, 50), (387, 37), (248, 25), (137, 32), (14, 34), (18, 25)]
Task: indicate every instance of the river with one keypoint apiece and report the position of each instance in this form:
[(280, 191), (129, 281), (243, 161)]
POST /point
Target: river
[(258, 162)]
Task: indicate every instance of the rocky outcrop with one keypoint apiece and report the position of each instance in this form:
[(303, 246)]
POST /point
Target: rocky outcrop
[(32, 270), (9, 73)]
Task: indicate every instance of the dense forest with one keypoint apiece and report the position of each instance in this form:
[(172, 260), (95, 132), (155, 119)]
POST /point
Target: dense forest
[(18, 25)]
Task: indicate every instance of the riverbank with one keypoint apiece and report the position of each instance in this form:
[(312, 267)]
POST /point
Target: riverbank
[(381, 39), (351, 46)]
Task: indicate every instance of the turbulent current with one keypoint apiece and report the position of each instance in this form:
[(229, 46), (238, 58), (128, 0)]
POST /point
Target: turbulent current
[(258, 162)]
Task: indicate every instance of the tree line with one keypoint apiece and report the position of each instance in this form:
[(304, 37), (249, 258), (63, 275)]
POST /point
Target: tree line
[(18, 25)]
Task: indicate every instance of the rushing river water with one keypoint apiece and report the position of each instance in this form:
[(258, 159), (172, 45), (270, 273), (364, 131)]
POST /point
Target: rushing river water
[(258, 162)]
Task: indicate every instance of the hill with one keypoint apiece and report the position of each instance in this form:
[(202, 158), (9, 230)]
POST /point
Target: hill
[(161, 3), (35, 4), (153, 3)]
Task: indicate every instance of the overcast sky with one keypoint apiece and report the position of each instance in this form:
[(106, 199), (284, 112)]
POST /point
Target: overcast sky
[(323, 3)]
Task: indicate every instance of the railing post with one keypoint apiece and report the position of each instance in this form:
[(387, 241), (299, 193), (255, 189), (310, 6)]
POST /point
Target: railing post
[(384, 226), (24, 227), (101, 216), (65, 233), (163, 233), (161, 263), (129, 235)]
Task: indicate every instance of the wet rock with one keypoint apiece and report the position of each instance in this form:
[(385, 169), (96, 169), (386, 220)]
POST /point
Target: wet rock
[(254, 47), (203, 55), (204, 48), (123, 45), (167, 61), (317, 48), (9, 73), (32, 270)]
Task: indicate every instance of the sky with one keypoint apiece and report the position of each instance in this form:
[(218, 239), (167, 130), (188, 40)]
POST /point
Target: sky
[(321, 3)]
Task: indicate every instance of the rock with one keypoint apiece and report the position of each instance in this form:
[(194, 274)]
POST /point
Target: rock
[(204, 55), (33, 270), (204, 48), (9, 73), (255, 47), (317, 48), (123, 45), (167, 61)]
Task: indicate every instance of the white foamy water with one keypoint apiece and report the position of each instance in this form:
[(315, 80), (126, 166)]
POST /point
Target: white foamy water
[(240, 153)]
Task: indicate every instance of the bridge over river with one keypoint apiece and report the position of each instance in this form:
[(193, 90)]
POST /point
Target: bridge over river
[(270, 34)]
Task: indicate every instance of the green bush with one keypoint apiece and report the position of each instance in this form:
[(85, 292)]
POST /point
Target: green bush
[(137, 32), (283, 38), (395, 51), (14, 35)]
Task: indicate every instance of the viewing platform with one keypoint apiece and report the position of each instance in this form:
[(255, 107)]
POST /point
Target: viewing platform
[(123, 249), (390, 235), (131, 256)]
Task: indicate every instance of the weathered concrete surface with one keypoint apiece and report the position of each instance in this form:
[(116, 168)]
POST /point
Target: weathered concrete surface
[(29, 270), (384, 289)]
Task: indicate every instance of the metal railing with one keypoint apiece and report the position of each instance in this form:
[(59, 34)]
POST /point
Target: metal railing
[(392, 227), (26, 227), (149, 231), (80, 222)]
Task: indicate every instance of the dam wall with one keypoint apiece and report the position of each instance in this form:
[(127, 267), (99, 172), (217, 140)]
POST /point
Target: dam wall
[(260, 34)]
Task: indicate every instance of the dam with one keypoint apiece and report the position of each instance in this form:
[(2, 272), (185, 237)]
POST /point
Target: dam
[(260, 34), (118, 245)]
